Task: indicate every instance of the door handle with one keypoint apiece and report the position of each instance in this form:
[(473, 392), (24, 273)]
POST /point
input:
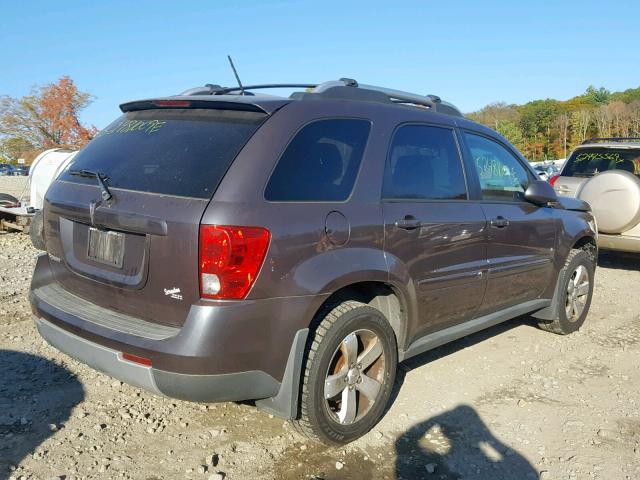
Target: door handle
[(499, 222), (409, 222)]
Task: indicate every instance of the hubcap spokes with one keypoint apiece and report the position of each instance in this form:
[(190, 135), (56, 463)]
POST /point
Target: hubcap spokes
[(354, 377), (577, 293)]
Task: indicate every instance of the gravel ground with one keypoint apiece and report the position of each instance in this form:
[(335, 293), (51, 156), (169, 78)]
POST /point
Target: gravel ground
[(14, 185), (512, 402)]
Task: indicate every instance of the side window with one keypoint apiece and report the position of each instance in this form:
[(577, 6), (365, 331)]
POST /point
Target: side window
[(502, 177), (424, 163), (321, 162)]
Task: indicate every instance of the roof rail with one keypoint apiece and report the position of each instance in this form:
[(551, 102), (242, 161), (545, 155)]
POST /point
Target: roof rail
[(610, 139), (432, 102), (331, 88)]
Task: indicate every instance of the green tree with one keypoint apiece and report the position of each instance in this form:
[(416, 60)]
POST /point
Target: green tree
[(538, 121), (598, 96), (628, 96), (494, 113), (13, 148), (511, 132)]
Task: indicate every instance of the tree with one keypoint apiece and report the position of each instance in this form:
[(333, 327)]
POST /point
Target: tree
[(549, 128), (580, 123), (562, 122), (599, 96), (47, 117), (494, 113), (511, 132), (12, 148), (537, 120)]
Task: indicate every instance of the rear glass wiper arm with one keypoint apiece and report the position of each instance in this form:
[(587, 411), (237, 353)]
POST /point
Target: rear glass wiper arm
[(102, 181)]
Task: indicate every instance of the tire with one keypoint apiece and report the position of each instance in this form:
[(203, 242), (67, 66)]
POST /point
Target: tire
[(6, 198), (36, 230), (567, 317), (350, 325)]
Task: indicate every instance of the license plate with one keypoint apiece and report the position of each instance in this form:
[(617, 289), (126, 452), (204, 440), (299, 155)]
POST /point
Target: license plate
[(106, 247)]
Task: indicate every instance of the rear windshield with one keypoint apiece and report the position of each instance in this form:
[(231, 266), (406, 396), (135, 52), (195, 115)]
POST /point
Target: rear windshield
[(171, 152), (588, 162)]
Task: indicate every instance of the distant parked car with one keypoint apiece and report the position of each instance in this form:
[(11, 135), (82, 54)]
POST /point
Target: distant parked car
[(605, 172), (7, 169), (545, 172), (23, 171)]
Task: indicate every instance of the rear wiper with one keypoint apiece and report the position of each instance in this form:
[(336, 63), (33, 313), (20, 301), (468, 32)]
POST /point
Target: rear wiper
[(102, 179)]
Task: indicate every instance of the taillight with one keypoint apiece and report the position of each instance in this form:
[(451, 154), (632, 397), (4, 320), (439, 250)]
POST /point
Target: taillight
[(230, 259), (172, 103), (553, 180)]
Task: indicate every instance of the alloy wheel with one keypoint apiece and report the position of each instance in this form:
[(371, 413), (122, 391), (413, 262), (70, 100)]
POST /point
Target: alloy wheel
[(355, 377), (577, 293)]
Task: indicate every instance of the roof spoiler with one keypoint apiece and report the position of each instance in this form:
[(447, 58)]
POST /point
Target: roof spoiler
[(188, 102)]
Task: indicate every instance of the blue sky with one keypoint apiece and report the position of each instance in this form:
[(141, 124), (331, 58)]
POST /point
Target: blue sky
[(468, 52)]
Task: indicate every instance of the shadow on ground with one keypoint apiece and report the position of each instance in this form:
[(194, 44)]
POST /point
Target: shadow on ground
[(36, 398), (457, 445), (619, 260)]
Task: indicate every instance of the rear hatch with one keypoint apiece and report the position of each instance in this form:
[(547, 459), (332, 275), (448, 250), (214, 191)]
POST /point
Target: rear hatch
[(585, 163), (137, 253)]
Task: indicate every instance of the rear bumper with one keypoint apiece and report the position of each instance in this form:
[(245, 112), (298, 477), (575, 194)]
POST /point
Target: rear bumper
[(225, 351), (198, 388), (623, 243)]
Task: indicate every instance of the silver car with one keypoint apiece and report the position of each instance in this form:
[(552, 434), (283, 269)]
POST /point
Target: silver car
[(605, 172)]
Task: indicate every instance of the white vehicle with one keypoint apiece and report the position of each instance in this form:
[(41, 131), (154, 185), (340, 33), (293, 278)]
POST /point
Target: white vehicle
[(15, 212), (44, 170), (605, 172)]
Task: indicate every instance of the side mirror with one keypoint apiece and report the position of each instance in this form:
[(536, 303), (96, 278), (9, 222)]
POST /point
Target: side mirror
[(540, 193)]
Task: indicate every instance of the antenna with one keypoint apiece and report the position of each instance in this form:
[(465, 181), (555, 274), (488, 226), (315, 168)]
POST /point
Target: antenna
[(235, 72)]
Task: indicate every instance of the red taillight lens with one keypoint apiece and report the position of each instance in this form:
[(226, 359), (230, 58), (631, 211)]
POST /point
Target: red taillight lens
[(230, 258), (172, 103), (553, 180)]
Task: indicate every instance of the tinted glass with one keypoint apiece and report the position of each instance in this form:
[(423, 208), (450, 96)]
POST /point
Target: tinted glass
[(424, 163), (172, 152), (321, 162), (591, 161), (502, 177)]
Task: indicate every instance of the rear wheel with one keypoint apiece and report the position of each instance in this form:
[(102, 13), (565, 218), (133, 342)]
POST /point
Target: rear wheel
[(349, 374), (575, 290)]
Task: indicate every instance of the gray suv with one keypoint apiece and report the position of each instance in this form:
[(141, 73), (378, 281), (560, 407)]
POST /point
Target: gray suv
[(225, 245)]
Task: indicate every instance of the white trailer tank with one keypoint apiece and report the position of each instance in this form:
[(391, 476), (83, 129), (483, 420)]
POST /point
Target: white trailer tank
[(44, 170)]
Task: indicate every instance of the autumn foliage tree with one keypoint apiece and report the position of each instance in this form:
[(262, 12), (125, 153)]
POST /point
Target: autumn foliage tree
[(46, 118), (549, 129)]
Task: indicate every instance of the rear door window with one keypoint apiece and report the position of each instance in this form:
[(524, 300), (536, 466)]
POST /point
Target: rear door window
[(587, 162), (424, 164), (170, 152), (321, 163)]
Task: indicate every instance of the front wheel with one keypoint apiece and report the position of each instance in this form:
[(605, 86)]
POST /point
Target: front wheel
[(574, 293), (349, 374)]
